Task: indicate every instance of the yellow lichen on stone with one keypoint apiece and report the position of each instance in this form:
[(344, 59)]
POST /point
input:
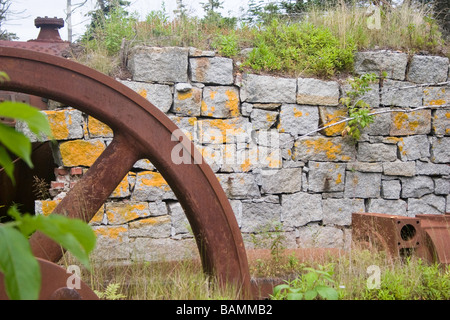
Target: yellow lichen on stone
[(322, 145), (122, 190), (212, 94), (233, 103), (184, 95), (58, 123), (112, 232), (220, 130), (204, 107), (415, 122), (437, 102), (98, 216), (46, 207), (246, 165), (124, 212), (97, 128), (155, 221), (297, 113), (332, 118), (80, 153), (154, 179), (143, 93), (339, 178)]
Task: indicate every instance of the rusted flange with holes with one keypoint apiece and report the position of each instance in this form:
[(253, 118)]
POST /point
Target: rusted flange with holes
[(141, 131)]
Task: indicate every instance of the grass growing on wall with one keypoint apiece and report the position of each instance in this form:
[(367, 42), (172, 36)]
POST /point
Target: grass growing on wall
[(318, 43)]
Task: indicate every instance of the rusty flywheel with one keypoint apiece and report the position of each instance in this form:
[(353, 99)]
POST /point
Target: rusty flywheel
[(140, 131)]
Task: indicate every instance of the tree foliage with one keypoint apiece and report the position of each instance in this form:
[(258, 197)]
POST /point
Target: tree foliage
[(4, 11), (105, 9)]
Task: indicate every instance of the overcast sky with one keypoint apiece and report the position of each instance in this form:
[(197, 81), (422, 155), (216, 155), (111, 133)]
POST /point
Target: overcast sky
[(23, 13)]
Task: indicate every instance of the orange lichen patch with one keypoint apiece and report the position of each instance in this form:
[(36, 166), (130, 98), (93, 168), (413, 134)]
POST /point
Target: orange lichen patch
[(220, 130), (155, 221), (339, 178), (122, 190), (280, 129), (297, 113), (185, 95), (233, 103), (46, 207), (274, 162), (212, 94), (143, 93), (246, 165), (97, 128), (416, 122), (154, 179), (437, 102), (192, 121), (124, 212), (323, 145), (98, 217), (330, 118), (80, 153), (116, 232), (400, 119), (58, 123), (394, 139), (204, 107), (270, 117)]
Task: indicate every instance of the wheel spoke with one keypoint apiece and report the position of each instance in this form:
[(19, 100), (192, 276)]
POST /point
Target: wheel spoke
[(89, 194)]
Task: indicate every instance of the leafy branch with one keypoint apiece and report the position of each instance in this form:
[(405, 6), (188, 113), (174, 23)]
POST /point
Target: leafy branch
[(344, 120), (359, 111)]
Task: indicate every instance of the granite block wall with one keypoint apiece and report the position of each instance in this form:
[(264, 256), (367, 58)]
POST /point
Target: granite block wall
[(258, 134)]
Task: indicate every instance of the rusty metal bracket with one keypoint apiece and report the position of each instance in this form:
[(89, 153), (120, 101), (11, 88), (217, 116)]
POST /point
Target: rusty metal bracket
[(437, 237), (426, 235), (140, 131)]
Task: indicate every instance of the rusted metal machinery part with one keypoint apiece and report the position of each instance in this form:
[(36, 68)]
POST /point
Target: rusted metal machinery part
[(437, 236), (426, 235), (55, 280), (140, 131), (48, 40)]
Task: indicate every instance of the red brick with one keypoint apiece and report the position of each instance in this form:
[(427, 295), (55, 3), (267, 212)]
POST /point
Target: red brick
[(57, 185), (76, 171), (61, 172)]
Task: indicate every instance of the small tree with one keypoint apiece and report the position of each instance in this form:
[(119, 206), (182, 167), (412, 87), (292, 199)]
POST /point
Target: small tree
[(210, 7), (4, 11)]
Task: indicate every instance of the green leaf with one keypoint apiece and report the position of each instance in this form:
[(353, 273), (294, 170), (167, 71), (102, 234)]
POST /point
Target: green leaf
[(36, 120), (277, 290), (295, 296), (7, 164), (327, 292), (19, 266), (73, 234), (17, 143), (311, 278), (25, 223), (310, 294)]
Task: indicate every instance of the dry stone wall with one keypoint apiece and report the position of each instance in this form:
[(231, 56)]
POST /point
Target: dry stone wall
[(250, 130)]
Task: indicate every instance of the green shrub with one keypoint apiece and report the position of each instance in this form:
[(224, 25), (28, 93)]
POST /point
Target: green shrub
[(227, 45), (109, 32), (301, 48)]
